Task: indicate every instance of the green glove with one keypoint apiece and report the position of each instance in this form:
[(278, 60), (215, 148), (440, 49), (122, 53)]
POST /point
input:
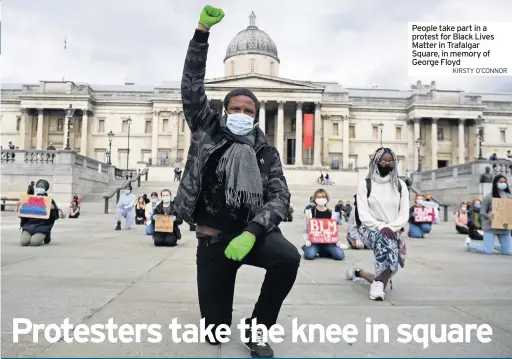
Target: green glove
[(240, 246), (210, 16)]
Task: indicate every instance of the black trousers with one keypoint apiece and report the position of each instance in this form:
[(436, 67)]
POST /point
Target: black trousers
[(216, 276), (474, 235), (164, 239), (462, 230)]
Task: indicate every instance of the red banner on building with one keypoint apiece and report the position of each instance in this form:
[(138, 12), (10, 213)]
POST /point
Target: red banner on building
[(323, 230), (308, 130), (424, 215)]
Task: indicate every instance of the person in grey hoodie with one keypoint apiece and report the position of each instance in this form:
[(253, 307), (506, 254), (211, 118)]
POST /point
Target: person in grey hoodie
[(500, 189), (126, 208)]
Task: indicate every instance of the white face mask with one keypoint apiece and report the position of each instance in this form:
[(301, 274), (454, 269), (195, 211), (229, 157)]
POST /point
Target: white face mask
[(154, 200), (40, 190), (321, 201), (127, 191), (463, 209), (166, 199), (239, 123)]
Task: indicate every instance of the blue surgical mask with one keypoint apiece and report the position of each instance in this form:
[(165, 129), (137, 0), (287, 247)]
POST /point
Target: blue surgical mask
[(166, 199), (478, 206), (239, 124), (502, 185), (154, 200), (40, 190)]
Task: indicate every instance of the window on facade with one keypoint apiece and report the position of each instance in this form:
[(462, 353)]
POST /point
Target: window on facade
[(122, 156), (100, 154), (145, 155), (147, 128), (375, 132), (165, 125), (351, 131), (272, 65), (18, 123), (125, 126), (101, 126), (398, 133), (503, 135), (251, 65), (335, 129), (60, 125), (440, 134), (232, 68)]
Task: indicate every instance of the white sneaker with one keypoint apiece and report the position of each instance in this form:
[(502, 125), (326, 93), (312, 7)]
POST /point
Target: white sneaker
[(377, 290), (351, 272), (467, 242)]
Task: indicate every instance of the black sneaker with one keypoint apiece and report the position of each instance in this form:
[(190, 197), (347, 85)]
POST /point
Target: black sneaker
[(118, 227), (258, 348)]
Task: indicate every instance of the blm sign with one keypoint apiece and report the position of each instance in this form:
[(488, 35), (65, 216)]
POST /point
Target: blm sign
[(323, 230)]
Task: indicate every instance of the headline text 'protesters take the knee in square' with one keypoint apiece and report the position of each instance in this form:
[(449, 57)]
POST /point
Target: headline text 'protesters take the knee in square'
[(234, 190), (382, 205)]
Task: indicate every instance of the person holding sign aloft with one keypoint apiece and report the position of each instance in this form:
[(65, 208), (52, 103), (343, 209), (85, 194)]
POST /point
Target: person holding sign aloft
[(382, 205), (500, 190), (420, 218), (36, 231), (164, 212), (321, 230)]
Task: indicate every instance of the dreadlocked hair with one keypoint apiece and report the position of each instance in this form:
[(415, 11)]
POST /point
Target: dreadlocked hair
[(376, 158)]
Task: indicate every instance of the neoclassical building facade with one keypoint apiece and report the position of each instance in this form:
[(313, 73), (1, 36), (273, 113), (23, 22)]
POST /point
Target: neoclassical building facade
[(427, 127)]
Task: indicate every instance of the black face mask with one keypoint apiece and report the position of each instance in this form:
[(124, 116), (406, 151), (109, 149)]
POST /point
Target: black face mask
[(384, 170)]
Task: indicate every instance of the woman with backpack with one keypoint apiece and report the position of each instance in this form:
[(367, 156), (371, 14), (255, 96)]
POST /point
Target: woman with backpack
[(382, 213)]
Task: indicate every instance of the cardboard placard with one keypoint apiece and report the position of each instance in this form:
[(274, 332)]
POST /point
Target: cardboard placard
[(322, 230), (502, 213), (164, 223), (423, 214), (32, 206)]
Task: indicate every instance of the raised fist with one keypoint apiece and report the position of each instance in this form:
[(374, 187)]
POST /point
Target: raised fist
[(210, 16)]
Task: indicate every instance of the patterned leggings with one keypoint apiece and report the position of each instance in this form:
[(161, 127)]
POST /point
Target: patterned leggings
[(388, 253)]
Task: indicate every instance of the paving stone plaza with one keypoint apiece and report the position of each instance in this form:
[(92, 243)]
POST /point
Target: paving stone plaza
[(90, 273)]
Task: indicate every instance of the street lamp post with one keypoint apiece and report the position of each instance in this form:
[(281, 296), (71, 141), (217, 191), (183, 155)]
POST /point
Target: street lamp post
[(129, 123), (418, 147), (69, 114), (480, 137), (381, 126), (110, 137)]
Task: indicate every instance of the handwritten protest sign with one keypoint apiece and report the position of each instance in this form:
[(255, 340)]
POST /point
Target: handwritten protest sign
[(422, 215), (164, 223), (501, 213), (323, 230), (34, 206)]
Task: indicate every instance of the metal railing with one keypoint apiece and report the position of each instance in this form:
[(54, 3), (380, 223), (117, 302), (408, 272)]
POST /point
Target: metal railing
[(117, 191)]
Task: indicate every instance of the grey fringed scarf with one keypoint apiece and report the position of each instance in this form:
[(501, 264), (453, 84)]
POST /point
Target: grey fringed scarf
[(238, 169)]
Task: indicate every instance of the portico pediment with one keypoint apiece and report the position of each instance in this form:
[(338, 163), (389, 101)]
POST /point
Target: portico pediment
[(261, 82)]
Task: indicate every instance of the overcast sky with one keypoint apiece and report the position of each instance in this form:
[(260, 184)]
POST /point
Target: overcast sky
[(356, 43)]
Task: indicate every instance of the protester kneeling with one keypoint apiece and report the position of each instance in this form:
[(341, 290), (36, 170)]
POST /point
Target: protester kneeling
[(461, 219), (36, 231), (166, 208), (420, 219), (150, 208), (320, 211), (140, 211), (353, 236)]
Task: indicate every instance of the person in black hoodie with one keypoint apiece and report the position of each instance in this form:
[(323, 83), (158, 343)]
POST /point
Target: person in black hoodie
[(167, 208), (30, 189), (36, 231)]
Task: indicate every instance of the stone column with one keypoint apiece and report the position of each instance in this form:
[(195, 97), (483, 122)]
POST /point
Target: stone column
[(186, 143), (83, 139), (262, 116), (433, 143), (416, 131), (461, 154), (279, 133), (23, 129), (175, 119), (346, 149), (39, 143), (299, 143), (317, 160), (154, 137)]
